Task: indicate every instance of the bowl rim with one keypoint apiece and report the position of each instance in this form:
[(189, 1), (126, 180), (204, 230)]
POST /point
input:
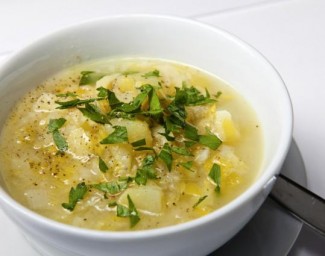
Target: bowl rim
[(249, 193)]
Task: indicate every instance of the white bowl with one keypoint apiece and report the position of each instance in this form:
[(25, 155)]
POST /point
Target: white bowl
[(171, 38)]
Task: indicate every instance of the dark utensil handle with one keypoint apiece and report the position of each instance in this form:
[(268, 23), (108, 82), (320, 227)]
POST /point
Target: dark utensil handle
[(301, 202)]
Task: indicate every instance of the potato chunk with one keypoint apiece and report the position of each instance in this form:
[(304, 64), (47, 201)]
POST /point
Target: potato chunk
[(145, 198), (225, 127), (45, 103), (137, 130)]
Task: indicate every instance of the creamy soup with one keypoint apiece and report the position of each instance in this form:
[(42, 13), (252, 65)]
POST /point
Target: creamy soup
[(130, 144)]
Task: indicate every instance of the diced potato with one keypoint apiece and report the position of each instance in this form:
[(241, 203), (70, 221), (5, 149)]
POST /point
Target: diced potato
[(45, 103), (192, 188), (78, 143), (159, 140), (107, 81), (201, 114), (137, 130), (229, 161), (172, 77), (147, 198), (125, 84), (74, 117), (201, 155), (118, 157), (122, 86), (37, 198), (202, 210), (225, 127)]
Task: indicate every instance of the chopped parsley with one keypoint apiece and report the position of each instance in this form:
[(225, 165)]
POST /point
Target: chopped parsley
[(90, 77), (146, 171), (139, 143), (181, 151), (210, 140), (113, 101), (187, 165), (112, 187), (131, 212), (199, 201), (215, 175), (119, 135), (59, 140), (75, 195), (102, 165), (74, 103), (166, 155), (65, 95), (93, 113), (154, 73)]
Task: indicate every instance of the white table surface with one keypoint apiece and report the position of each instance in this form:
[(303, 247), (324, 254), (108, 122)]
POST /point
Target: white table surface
[(290, 33)]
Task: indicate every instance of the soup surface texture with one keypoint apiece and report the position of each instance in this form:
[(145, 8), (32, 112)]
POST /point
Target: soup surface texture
[(130, 144)]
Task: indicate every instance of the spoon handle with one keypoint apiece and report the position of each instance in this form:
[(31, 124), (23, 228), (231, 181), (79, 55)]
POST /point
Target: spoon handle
[(301, 202)]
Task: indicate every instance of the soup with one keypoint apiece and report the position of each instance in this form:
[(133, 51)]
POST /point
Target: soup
[(130, 144)]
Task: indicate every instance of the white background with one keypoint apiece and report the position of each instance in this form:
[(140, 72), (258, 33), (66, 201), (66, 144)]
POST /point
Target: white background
[(290, 33)]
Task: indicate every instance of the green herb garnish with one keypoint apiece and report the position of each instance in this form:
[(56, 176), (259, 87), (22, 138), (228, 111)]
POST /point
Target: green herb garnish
[(215, 175), (193, 96), (68, 94), (90, 77), (102, 165), (139, 143), (154, 73), (210, 140), (135, 105), (131, 72), (93, 113), (189, 143), (146, 171), (119, 135), (181, 151), (187, 165), (113, 101), (199, 201), (74, 103), (130, 212), (154, 103), (166, 155), (75, 195), (112, 187), (59, 140), (56, 124), (145, 149), (191, 133)]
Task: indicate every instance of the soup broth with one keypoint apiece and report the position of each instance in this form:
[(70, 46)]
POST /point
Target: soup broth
[(130, 144)]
